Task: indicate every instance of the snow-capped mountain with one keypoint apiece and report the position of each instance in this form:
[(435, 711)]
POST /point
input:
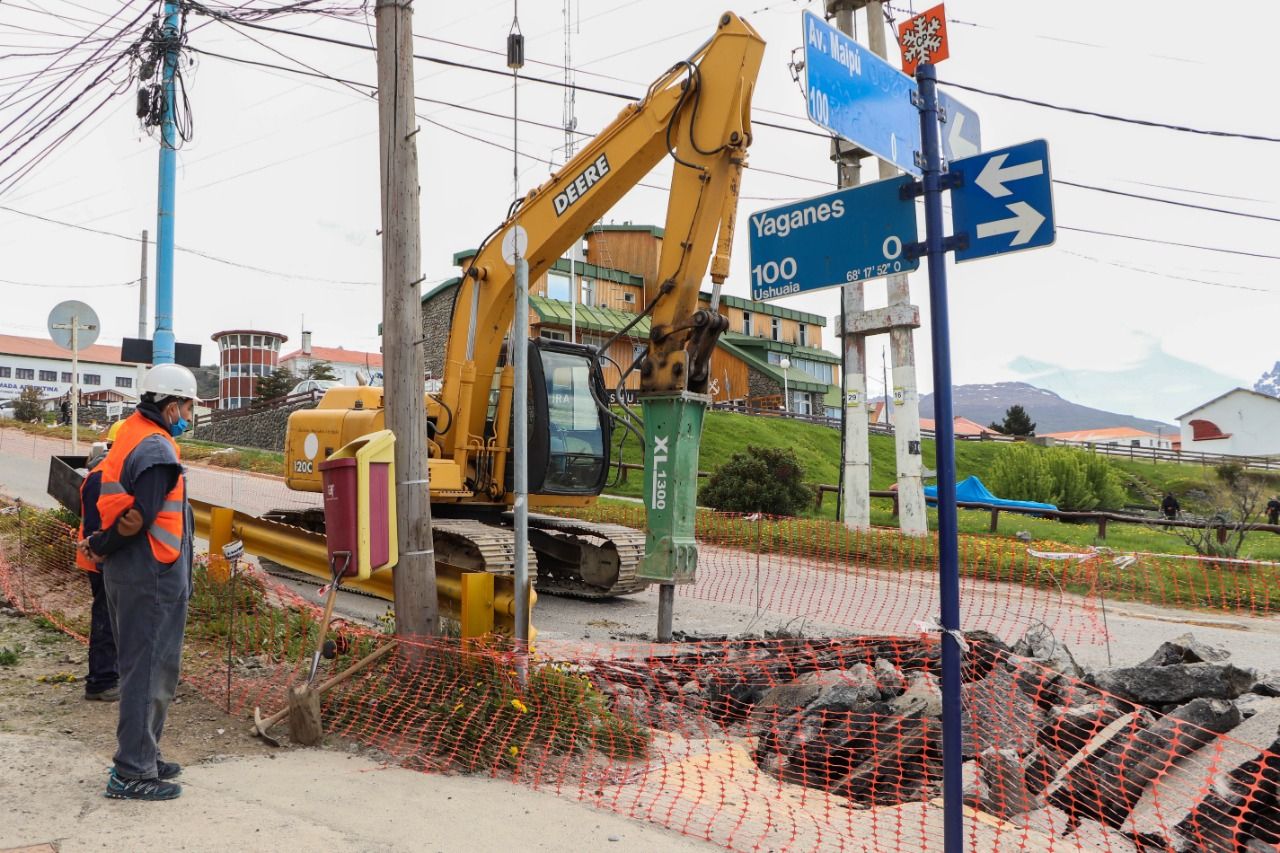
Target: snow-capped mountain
[(1269, 382)]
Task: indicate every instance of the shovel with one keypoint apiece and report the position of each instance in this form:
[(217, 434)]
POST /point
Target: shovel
[(261, 724)]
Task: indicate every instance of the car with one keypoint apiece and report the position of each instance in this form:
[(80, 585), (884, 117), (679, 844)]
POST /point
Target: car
[(320, 385)]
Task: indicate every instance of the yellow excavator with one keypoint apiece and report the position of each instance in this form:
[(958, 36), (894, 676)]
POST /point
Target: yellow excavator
[(697, 113)]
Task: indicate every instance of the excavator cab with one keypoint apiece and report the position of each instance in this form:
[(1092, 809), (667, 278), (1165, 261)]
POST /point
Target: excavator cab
[(569, 431)]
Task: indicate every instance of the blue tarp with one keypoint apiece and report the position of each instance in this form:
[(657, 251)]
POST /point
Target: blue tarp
[(972, 490)]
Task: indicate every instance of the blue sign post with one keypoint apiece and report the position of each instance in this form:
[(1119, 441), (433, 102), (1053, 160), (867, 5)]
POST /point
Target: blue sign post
[(944, 438), (1003, 201), (853, 234)]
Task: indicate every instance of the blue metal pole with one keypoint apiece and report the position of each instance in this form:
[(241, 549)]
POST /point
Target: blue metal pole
[(944, 436), (162, 347)]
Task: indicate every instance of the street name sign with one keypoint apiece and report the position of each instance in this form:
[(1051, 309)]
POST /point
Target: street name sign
[(852, 234), (1004, 201), (857, 95)]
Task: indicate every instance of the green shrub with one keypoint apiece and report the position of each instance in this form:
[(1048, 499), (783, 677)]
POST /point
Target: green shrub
[(27, 407), (761, 479), (1071, 479)]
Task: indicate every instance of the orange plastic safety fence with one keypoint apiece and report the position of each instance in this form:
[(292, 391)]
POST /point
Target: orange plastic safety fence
[(802, 744)]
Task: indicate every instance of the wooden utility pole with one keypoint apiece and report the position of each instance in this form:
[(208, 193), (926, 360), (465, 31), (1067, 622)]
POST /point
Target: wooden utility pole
[(404, 369)]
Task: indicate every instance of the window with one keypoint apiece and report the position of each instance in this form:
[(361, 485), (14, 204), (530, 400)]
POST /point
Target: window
[(26, 373), (6, 372), (776, 328), (746, 322), (124, 382), (257, 341), (596, 341), (553, 334), (48, 376), (66, 376), (92, 379), (629, 297), (803, 335), (801, 403), (588, 292), (1202, 430), (558, 287)]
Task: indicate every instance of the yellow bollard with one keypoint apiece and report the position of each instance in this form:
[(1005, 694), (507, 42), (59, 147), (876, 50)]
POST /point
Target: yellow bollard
[(476, 609), (219, 534)]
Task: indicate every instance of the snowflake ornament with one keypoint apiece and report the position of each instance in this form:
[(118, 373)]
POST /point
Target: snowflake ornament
[(923, 39)]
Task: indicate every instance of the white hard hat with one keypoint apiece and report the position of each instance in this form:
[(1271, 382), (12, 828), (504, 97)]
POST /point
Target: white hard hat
[(170, 380)]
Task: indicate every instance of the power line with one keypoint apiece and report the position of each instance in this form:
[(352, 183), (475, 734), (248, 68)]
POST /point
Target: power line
[(1220, 250), (197, 252), (1110, 117), (1240, 213), (1169, 275), (52, 284)]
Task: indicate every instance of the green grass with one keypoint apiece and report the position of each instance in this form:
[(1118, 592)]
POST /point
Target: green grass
[(818, 449)]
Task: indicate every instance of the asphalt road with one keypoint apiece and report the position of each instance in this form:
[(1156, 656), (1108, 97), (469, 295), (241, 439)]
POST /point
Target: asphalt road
[(738, 592)]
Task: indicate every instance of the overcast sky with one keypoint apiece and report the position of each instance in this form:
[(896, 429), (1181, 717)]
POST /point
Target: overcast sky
[(281, 173)]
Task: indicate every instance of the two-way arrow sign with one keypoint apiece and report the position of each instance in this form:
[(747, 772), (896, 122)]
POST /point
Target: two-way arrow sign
[(1002, 193)]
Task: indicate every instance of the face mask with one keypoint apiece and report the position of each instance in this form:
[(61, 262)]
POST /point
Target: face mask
[(179, 428)]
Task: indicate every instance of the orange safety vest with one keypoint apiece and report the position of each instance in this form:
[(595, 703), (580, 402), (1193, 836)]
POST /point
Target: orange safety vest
[(83, 562), (165, 532)]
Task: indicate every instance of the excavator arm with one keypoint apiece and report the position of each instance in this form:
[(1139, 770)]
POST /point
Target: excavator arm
[(698, 113)]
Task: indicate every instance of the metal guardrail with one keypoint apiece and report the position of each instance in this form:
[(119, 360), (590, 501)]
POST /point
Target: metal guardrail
[(257, 406), (482, 602)]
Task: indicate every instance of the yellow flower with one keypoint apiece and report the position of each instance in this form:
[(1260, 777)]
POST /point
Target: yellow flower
[(514, 750), (457, 708), (519, 706)]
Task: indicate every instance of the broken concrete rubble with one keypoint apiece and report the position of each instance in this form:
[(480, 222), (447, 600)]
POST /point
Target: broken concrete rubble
[(1179, 682), (1185, 648)]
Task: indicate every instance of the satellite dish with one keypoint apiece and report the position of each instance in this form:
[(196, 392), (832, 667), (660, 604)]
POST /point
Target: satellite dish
[(61, 318)]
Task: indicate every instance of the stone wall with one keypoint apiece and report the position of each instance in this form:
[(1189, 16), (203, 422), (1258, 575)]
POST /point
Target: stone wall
[(437, 314), (760, 385), (263, 430)]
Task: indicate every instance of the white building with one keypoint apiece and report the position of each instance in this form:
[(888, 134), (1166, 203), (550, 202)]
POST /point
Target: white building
[(345, 362), (39, 362), (1240, 422)]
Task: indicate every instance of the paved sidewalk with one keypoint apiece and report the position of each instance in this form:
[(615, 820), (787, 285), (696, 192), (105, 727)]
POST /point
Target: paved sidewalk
[(298, 800)]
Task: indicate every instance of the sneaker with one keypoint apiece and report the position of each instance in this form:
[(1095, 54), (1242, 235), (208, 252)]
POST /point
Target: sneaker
[(120, 788), (166, 770), (111, 694)]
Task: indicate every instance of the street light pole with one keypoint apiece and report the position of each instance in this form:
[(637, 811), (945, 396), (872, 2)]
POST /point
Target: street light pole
[(785, 364)]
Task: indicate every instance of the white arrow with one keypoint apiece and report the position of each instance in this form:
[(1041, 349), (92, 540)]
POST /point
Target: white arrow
[(993, 177), (1024, 222), (960, 147)]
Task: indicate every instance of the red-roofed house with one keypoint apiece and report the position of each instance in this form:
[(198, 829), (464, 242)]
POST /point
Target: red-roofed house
[(963, 427), (39, 362), (1118, 436), (345, 362)]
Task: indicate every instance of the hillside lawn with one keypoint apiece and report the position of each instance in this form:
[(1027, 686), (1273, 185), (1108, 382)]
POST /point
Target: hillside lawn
[(818, 449)]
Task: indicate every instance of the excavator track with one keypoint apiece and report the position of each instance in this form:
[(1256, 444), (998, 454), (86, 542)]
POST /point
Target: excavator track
[(583, 559), (578, 559)]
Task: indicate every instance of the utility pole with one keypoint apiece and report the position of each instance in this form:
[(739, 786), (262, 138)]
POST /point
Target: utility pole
[(912, 519), (142, 313), (519, 337), (404, 367), (162, 347), (855, 476)]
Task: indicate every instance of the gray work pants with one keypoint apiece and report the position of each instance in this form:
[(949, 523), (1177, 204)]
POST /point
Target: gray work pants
[(148, 602)]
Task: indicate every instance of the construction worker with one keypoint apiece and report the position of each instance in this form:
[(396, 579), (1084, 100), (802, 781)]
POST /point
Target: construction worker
[(102, 683), (147, 575)]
